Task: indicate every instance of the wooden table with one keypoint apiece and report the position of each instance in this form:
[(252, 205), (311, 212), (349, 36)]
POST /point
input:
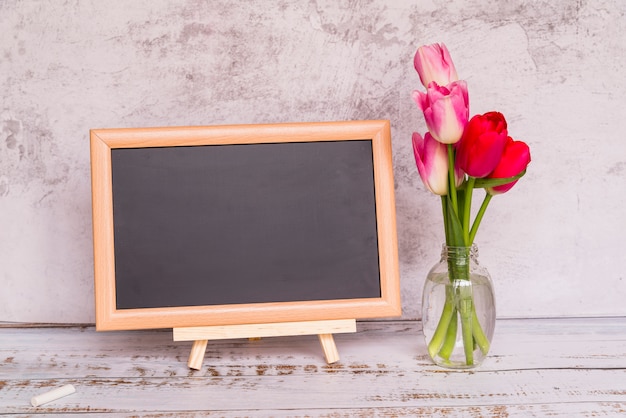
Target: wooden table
[(537, 367)]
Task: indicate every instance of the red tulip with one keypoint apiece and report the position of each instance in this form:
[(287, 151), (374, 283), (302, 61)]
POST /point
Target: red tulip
[(515, 159), (480, 149), (433, 63), (446, 110)]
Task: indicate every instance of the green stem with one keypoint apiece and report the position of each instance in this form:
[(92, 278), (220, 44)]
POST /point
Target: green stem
[(452, 179), (469, 187), (479, 217), (479, 335), (465, 305), (442, 327), (450, 340), (444, 207)]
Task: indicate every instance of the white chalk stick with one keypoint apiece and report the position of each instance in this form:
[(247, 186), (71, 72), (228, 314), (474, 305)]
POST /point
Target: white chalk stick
[(52, 395)]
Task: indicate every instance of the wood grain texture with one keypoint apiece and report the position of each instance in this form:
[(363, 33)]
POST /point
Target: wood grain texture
[(196, 356), (264, 330), (567, 367), (331, 354)]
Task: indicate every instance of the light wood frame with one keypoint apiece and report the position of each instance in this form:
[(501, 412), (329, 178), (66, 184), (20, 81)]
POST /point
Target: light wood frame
[(108, 317)]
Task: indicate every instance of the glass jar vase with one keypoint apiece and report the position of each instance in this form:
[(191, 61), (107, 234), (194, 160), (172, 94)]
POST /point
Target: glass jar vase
[(458, 309)]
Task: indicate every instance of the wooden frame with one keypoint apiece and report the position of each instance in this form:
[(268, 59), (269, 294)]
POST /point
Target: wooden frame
[(108, 317)]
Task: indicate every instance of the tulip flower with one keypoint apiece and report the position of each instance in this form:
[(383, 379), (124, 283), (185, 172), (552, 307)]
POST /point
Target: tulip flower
[(515, 159), (446, 110), (454, 147), (480, 149), (431, 158), (433, 63)]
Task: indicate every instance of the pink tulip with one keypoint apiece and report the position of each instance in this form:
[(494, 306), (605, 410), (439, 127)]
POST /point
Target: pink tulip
[(482, 144), (515, 159), (431, 158), (446, 110), (433, 63)]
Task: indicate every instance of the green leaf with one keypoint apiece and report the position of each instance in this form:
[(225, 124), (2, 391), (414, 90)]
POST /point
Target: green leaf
[(487, 182), (454, 234), (460, 197)]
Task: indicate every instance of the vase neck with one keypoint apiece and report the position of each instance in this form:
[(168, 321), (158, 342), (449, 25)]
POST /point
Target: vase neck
[(461, 253), (459, 260)]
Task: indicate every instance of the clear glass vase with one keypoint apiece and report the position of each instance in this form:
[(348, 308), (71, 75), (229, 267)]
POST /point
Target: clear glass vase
[(458, 309)]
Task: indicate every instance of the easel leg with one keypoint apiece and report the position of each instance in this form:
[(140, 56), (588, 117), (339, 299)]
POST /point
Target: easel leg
[(329, 347), (197, 354)]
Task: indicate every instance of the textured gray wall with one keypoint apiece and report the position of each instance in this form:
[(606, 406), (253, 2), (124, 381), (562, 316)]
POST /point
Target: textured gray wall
[(554, 244)]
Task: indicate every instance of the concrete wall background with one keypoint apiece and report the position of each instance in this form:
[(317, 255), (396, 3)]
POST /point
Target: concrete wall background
[(554, 244)]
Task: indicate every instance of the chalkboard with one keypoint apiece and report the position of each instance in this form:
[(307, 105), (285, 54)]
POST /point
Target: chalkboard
[(222, 225)]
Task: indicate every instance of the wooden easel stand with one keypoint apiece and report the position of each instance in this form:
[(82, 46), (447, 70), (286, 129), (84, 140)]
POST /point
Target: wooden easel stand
[(324, 329)]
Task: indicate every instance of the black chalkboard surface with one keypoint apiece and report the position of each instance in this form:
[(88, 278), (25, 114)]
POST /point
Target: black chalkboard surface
[(243, 224), (226, 224)]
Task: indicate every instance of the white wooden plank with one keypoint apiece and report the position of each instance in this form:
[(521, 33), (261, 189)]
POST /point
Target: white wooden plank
[(311, 392), (393, 346), (567, 410), (536, 368)]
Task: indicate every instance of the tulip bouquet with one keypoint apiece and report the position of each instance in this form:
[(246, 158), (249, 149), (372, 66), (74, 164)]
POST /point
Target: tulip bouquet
[(457, 155)]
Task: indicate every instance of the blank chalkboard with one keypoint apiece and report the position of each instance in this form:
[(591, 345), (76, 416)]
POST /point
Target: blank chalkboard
[(199, 226)]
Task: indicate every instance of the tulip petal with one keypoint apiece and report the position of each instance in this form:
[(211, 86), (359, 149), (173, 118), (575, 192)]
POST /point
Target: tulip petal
[(420, 99), (431, 158), (482, 144), (515, 159), (446, 110), (433, 63)]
